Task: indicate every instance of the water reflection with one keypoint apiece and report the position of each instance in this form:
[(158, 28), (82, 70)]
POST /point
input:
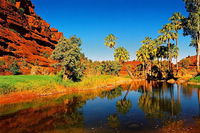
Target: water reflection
[(141, 106)]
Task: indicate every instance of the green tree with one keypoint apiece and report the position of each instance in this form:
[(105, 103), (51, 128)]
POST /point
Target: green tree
[(121, 54), (174, 51), (141, 56), (110, 41), (192, 25), (68, 53), (147, 53), (167, 36), (177, 23)]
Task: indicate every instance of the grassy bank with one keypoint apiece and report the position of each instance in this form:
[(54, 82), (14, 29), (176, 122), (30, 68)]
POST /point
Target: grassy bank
[(44, 84), (195, 79)]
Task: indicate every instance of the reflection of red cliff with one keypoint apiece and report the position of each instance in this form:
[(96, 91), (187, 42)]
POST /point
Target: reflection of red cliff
[(25, 35)]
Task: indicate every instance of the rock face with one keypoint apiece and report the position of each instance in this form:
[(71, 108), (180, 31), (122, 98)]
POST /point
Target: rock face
[(25, 37), (132, 66)]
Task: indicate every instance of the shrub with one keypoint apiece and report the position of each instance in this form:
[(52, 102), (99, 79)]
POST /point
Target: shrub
[(14, 68), (45, 54), (14, 30), (12, 1), (2, 62), (21, 10), (68, 53)]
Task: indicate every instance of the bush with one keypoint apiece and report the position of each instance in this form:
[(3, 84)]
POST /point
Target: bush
[(14, 68), (12, 1), (109, 67), (21, 10), (2, 62), (68, 53), (45, 54)]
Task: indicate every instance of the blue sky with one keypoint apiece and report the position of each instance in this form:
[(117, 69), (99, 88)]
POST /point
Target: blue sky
[(130, 20)]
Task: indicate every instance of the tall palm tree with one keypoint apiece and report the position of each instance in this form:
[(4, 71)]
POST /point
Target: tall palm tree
[(120, 54), (110, 41), (167, 36), (174, 51), (141, 56), (177, 23)]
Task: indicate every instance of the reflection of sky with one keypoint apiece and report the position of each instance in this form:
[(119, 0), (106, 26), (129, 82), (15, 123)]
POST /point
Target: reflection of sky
[(130, 20), (96, 111)]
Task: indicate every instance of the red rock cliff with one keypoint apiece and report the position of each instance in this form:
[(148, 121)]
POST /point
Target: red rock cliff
[(25, 36)]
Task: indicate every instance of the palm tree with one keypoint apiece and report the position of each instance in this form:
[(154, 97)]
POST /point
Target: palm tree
[(110, 41), (150, 50), (177, 24), (192, 25), (167, 36), (140, 54), (174, 51), (120, 54)]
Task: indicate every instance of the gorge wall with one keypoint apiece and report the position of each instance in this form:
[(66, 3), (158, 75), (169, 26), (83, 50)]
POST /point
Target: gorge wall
[(25, 37)]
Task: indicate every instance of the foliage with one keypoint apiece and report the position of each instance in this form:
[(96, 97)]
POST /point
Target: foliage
[(192, 25), (110, 41), (195, 79), (2, 62), (123, 106), (108, 67), (21, 10), (13, 30), (112, 94), (45, 54), (68, 53), (121, 54), (174, 51), (12, 1), (14, 68)]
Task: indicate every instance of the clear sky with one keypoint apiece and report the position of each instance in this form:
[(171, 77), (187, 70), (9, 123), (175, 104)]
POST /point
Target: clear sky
[(130, 20)]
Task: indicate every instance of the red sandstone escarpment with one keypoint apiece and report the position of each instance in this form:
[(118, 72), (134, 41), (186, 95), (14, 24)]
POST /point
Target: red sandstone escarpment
[(25, 37)]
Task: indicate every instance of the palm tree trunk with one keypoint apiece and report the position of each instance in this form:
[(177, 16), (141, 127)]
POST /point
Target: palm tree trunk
[(179, 97), (143, 69), (177, 56), (169, 54), (129, 72), (127, 92)]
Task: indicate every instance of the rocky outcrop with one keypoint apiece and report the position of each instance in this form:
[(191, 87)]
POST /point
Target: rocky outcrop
[(132, 65), (25, 37)]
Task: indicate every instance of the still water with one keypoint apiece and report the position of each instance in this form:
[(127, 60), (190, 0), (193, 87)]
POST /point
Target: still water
[(138, 107)]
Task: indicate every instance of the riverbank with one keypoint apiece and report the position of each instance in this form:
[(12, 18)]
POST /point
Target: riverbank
[(194, 81), (21, 88)]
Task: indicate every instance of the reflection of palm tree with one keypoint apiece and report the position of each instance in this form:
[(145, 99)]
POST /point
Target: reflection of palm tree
[(172, 99), (112, 94), (124, 105), (72, 117), (113, 121), (179, 97), (156, 105)]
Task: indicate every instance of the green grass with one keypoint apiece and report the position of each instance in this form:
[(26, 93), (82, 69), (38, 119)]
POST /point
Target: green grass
[(195, 79), (43, 84)]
